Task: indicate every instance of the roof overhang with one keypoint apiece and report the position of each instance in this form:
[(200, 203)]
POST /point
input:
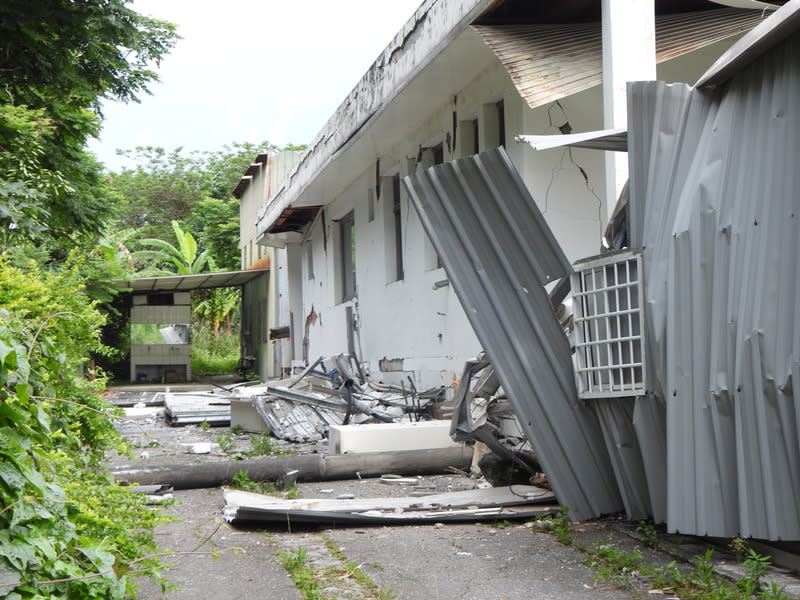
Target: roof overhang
[(187, 283), (615, 140), (247, 176)]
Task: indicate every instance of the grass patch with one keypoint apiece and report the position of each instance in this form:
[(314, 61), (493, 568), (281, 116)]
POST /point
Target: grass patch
[(558, 524), (242, 481), (214, 354), (304, 577), (261, 445), (353, 570)]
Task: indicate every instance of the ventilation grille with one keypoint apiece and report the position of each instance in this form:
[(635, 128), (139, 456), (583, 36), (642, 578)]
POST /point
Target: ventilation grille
[(608, 326)]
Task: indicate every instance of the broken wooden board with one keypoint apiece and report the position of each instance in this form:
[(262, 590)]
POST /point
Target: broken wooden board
[(491, 504)]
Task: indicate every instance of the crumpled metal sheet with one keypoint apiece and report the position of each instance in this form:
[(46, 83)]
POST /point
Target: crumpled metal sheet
[(499, 253), (714, 201)]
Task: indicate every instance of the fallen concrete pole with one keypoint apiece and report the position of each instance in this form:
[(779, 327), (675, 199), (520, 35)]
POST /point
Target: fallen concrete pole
[(312, 467)]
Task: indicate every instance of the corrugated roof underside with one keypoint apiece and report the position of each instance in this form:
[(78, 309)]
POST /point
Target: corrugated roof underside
[(714, 201), (499, 252), (549, 62), (185, 283)]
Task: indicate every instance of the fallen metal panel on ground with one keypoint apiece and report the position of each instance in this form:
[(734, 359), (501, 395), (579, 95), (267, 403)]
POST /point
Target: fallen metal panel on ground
[(187, 409), (714, 203), (517, 502), (549, 62), (499, 252)]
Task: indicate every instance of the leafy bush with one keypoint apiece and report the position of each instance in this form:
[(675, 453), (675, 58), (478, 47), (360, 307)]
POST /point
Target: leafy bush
[(66, 530)]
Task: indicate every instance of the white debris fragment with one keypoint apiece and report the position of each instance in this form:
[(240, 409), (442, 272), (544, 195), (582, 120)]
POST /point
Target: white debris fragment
[(200, 448)]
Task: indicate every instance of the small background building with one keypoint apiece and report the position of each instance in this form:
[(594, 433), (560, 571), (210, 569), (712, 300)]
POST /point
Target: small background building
[(268, 322)]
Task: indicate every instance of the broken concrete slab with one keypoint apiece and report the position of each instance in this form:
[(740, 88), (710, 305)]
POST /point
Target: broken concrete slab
[(387, 437)]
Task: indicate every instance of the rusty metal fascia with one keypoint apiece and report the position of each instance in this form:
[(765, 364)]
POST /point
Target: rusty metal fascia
[(499, 253), (549, 62)]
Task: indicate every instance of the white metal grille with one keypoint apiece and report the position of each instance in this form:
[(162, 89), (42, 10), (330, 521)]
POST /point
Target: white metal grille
[(608, 326)]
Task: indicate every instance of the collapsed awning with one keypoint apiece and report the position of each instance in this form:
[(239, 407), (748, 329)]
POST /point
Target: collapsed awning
[(549, 62), (186, 283), (606, 139)]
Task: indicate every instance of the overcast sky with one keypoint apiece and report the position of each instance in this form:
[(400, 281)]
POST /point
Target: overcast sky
[(251, 70)]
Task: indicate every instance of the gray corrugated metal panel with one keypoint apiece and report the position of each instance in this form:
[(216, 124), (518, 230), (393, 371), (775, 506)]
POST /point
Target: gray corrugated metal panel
[(184, 283), (782, 23), (616, 418), (498, 252), (650, 424), (549, 62), (280, 165), (720, 220)]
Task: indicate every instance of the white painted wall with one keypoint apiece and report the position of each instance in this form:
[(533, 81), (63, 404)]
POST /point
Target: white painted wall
[(409, 319)]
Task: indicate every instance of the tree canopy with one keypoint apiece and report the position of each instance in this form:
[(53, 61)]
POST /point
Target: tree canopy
[(58, 60)]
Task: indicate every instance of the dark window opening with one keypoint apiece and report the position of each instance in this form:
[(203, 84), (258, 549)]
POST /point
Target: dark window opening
[(398, 229), (501, 123), (347, 237), (160, 299), (438, 154)]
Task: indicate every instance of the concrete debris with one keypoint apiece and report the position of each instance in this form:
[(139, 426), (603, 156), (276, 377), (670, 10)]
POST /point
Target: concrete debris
[(519, 502), (329, 391)]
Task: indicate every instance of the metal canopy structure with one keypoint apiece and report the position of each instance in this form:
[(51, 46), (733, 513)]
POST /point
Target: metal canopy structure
[(187, 283)]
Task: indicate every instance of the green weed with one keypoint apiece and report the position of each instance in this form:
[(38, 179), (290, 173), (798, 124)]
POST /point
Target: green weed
[(559, 525), (242, 481), (225, 442), (649, 534), (500, 524), (304, 577)]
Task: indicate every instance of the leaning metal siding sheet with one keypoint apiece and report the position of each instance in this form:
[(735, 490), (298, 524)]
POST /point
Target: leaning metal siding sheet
[(548, 62), (714, 202), (499, 253)]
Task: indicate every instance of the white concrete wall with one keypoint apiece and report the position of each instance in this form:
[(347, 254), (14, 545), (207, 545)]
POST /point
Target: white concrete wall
[(409, 319)]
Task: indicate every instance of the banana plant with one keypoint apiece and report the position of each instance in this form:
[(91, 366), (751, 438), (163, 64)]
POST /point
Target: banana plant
[(183, 257)]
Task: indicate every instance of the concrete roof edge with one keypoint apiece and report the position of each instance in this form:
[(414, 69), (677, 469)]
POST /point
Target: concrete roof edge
[(434, 24), (774, 29)]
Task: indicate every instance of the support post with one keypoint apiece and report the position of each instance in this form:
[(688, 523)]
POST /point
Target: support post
[(629, 54)]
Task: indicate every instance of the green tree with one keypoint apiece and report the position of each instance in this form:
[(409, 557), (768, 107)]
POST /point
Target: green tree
[(216, 223), (58, 60), (166, 186)]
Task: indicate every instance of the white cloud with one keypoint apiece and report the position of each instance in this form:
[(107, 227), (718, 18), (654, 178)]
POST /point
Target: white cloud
[(249, 70)]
